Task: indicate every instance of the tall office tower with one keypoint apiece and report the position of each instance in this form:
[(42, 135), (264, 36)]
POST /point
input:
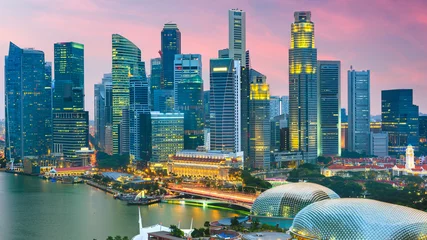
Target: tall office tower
[(259, 146), (70, 120), (275, 128), (155, 78), (224, 53), (48, 102), (284, 107), (344, 117), (274, 106), (167, 135), (400, 120), (145, 140), (206, 108), (99, 114), (237, 35), (139, 105), (124, 132), (422, 128), (379, 144), (163, 100), (171, 45), (303, 87), (225, 123), (126, 63), (359, 111), (28, 104), (190, 102), (329, 108), (248, 60), (245, 89), (186, 66)]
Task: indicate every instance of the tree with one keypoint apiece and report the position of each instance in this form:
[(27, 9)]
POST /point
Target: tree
[(176, 232), (115, 161), (324, 160), (234, 222), (110, 238), (206, 224)]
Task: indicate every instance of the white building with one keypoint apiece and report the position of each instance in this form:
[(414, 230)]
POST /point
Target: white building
[(237, 35), (409, 168)]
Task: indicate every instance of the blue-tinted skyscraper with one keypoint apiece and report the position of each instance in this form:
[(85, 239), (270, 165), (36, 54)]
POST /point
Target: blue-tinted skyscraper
[(171, 45), (400, 120), (359, 111), (155, 78), (28, 103), (329, 108), (303, 87)]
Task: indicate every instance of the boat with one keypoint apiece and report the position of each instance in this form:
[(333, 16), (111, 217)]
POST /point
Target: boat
[(53, 179), (146, 201), (67, 180)]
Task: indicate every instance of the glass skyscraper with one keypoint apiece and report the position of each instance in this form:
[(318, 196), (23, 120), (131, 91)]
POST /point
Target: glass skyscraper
[(400, 120), (237, 35), (155, 78), (171, 45), (359, 111), (303, 87), (329, 108), (274, 106), (28, 105), (225, 122), (167, 135), (126, 64), (259, 127)]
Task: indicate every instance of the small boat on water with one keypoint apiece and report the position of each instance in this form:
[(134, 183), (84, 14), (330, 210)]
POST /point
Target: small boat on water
[(53, 179)]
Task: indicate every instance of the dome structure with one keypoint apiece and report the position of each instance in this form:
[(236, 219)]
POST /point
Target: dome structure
[(286, 201), (354, 218)]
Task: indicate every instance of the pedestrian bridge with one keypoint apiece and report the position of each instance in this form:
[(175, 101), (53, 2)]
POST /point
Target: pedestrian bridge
[(207, 202)]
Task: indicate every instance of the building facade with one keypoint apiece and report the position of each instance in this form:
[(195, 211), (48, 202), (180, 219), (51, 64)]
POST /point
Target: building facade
[(379, 144), (329, 108), (126, 59), (225, 123), (28, 104), (400, 120), (359, 111), (167, 135), (274, 106), (303, 87), (259, 142), (284, 101), (186, 66), (237, 35), (171, 45), (155, 78)]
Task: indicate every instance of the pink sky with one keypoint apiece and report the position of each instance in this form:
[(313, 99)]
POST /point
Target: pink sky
[(387, 37)]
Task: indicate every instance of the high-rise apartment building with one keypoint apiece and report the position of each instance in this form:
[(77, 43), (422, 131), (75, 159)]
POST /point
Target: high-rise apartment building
[(167, 135), (303, 87), (155, 78), (274, 106), (237, 35), (259, 143), (139, 106), (225, 123), (399, 120), (329, 108), (70, 121), (359, 110), (28, 102), (190, 102), (126, 59), (171, 45)]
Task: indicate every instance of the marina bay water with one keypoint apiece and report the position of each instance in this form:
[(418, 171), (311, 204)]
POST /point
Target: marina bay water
[(32, 208)]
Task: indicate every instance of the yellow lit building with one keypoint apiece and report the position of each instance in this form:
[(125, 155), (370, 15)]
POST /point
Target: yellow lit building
[(211, 164)]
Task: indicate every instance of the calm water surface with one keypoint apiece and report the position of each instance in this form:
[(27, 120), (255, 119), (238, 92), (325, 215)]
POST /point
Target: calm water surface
[(32, 208)]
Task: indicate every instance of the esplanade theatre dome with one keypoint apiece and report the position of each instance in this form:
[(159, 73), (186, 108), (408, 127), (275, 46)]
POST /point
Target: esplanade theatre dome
[(355, 218), (287, 200)]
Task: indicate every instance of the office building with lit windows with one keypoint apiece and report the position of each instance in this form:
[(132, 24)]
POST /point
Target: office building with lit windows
[(171, 45), (329, 108), (303, 87), (237, 35), (126, 59), (400, 120), (167, 135), (274, 106), (155, 78), (284, 101), (27, 103), (225, 123), (359, 111), (259, 142), (186, 66)]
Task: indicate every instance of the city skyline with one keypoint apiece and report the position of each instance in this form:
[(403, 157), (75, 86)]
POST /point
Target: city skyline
[(363, 43)]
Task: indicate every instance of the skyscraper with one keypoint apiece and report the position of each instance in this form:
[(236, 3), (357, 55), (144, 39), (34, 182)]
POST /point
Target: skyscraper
[(224, 53), (167, 135), (399, 120), (237, 35), (70, 121), (189, 97), (303, 87), (259, 144), (139, 105), (155, 78), (171, 45), (274, 106), (28, 103), (329, 108), (126, 63), (284, 101), (359, 111), (103, 109), (206, 104), (225, 123)]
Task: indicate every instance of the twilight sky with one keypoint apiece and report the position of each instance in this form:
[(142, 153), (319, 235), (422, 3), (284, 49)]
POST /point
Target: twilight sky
[(389, 37)]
